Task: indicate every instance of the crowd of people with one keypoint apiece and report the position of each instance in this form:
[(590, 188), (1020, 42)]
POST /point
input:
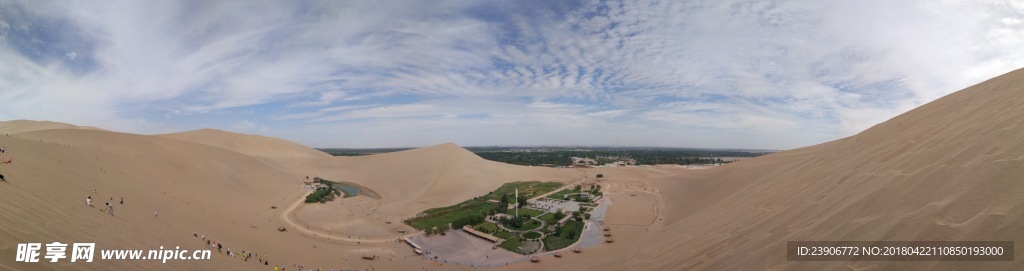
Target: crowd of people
[(245, 255)]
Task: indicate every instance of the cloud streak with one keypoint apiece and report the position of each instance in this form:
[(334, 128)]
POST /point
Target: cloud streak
[(369, 74)]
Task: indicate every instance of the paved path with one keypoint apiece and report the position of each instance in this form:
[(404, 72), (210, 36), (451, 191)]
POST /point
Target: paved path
[(556, 190)]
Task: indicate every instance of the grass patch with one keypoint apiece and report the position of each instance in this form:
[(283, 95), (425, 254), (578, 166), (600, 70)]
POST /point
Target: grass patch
[(560, 195), (531, 235), (487, 227), (467, 211), (470, 209), (527, 189), (512, 244), (528, 225), (526, 212), (503, 234), (549, 218), (571, 232)]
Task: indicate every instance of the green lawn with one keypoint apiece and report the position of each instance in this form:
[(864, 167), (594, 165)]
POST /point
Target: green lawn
[(487, 227), (549, 218), (572, 226), (438, 217), (442, 216), (525, 212), (511, 244), (528, 225), (503, 234), (527, 189), (531, 235), (552, 242), (561, 194)]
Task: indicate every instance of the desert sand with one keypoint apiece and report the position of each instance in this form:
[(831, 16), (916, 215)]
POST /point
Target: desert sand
[(949, 170)]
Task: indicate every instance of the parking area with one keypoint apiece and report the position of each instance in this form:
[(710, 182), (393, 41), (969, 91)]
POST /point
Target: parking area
[(552, 205), (463, 248)]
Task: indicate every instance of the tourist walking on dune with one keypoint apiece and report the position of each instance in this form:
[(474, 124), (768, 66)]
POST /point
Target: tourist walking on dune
[(88, 201), (110, 209)]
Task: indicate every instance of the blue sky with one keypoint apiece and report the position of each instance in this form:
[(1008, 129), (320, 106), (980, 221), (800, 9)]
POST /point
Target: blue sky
[(725, 74)]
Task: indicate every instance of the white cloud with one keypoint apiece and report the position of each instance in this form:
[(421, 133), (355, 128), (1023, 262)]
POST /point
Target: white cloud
[(609, 113), (247, 126), (820, 69)]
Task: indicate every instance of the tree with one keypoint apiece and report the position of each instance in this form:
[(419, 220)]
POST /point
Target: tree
[(577, 188), (467, 220), (559, 215), (586, 216), (504, 198), (515, 222), (599, 175), (522, 202), (558, 230)]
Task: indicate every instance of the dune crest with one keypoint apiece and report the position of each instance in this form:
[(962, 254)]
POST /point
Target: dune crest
[(414, 180), (254, 145), (23, 126)]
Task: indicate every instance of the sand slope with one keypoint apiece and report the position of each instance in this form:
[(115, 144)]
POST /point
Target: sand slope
[(200, 188), (415, 180), (254, 145), (193, 187), (949, 170)]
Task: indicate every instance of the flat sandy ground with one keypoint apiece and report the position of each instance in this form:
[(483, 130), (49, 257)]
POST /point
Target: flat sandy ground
[(631, 209), (463, 248), (351, 217)]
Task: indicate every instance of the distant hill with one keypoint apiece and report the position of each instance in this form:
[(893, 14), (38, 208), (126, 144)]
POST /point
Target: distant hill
[(22, 126)]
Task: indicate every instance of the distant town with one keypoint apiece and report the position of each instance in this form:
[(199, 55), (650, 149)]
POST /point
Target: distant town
[(588, 156)]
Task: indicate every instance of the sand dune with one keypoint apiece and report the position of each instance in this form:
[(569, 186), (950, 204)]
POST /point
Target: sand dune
[(415, 180), (948, 170), (193, 187), (198, 188), (21, 126), (254, 145)]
